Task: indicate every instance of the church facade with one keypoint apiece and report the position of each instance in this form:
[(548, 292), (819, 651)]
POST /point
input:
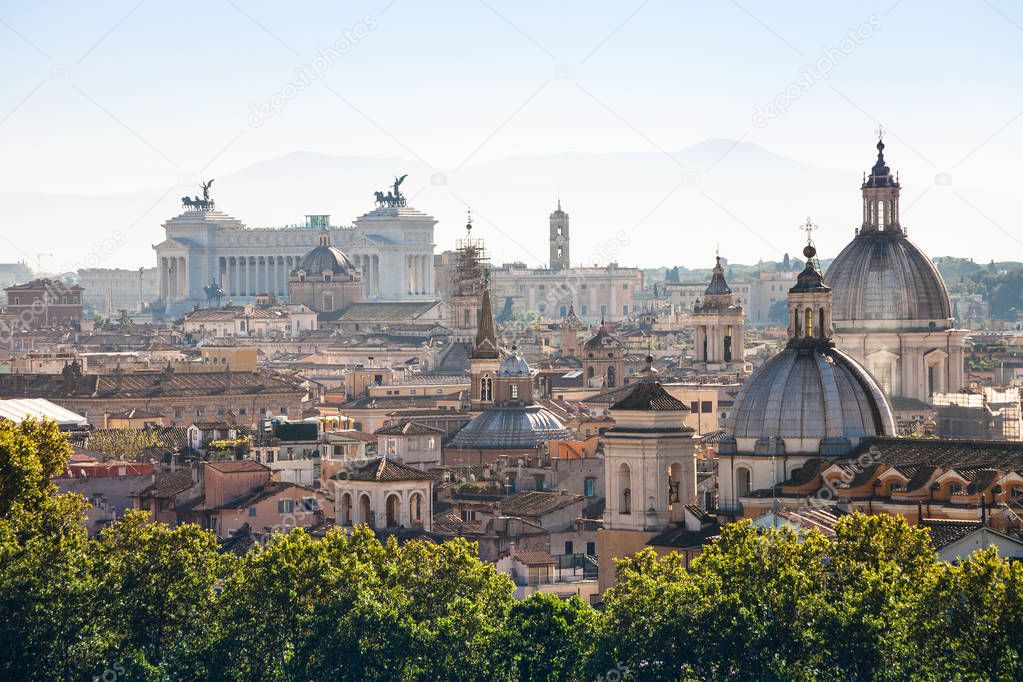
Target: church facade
[(392, 247)]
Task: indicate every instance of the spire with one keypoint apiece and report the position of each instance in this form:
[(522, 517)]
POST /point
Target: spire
[(718, 286), (486, 335)]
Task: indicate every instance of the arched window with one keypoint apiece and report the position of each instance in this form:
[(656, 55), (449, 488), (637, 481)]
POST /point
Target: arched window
[(365, 513), (820, 322), (625, 488), (415, 509), (393, 513), (743, 482), (611, 378), (514, 391), (486, 388), (589, 372), (809, 323), (346, 509)]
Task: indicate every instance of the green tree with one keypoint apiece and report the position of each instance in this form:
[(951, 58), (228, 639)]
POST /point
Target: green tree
[(548, 638), (47, 586), (156, 587)]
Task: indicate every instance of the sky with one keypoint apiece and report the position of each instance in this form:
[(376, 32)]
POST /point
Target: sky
[(130, 96)]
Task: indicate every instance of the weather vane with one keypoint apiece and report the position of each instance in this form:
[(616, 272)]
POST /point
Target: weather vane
[(468, 220), (880, 132)]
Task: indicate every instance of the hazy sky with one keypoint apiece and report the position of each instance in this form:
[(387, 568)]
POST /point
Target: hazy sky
[(119, 96)]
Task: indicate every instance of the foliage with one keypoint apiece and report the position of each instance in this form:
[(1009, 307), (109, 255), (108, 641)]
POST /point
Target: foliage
[(124, 443), (146, 601)]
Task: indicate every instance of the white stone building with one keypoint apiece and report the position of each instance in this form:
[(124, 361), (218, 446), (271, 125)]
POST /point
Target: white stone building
[(392, 247), (384, 494)]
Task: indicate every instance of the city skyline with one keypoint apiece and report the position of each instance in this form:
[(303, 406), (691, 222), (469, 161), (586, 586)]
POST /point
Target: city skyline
[(172, 98)]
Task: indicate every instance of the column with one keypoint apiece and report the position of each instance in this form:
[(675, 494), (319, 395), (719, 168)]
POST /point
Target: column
[(184, 277), (162, 278)]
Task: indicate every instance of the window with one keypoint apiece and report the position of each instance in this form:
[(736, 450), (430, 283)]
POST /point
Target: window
[(591, 548), (252, 511), (285, 506), (625, 310), (706, 406), (588, 487), (468, 514), (514, 391), (569, 547), (309, 505)]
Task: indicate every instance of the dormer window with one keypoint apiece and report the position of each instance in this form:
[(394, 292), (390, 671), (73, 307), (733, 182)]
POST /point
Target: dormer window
[(327, 276)]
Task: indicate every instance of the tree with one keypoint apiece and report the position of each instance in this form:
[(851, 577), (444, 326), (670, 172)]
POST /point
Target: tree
[(156, 589), (31, 454), (547, 638), (47, 585), (418, 611)]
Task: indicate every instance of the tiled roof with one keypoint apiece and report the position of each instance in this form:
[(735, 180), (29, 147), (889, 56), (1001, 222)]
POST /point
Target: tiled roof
[(608, 397), (451, 523), (946, 454), (537, 502), (650, 397), (535, 558), (145, 385), (385, 470), (398, 312), (408, 429), (944, 532), (169, 485), (236, 466)]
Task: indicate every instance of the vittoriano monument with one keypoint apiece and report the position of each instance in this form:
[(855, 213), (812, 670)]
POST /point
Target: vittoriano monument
[(394, 198), (197, 204)]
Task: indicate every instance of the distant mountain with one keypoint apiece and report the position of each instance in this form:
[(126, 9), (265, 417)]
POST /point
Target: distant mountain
[(642, 208)]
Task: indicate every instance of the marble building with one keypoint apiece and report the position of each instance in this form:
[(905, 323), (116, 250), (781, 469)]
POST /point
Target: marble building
[(392, 246)]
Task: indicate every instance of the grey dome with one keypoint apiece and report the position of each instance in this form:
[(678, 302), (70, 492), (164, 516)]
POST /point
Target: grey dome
[(514, 366), (524, 427), (325, 258), (811, 392), (881, 275)]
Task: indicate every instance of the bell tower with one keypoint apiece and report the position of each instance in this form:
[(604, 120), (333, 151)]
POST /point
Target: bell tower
[(559, 240), (810, 301), (719, 334)]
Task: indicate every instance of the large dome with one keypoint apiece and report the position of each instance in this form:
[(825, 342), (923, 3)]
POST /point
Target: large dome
[(881, 275), (325, 258), (812, 392), (525, 427)]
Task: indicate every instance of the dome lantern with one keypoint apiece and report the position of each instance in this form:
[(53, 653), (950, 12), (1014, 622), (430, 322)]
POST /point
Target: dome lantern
[(880, 196)]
